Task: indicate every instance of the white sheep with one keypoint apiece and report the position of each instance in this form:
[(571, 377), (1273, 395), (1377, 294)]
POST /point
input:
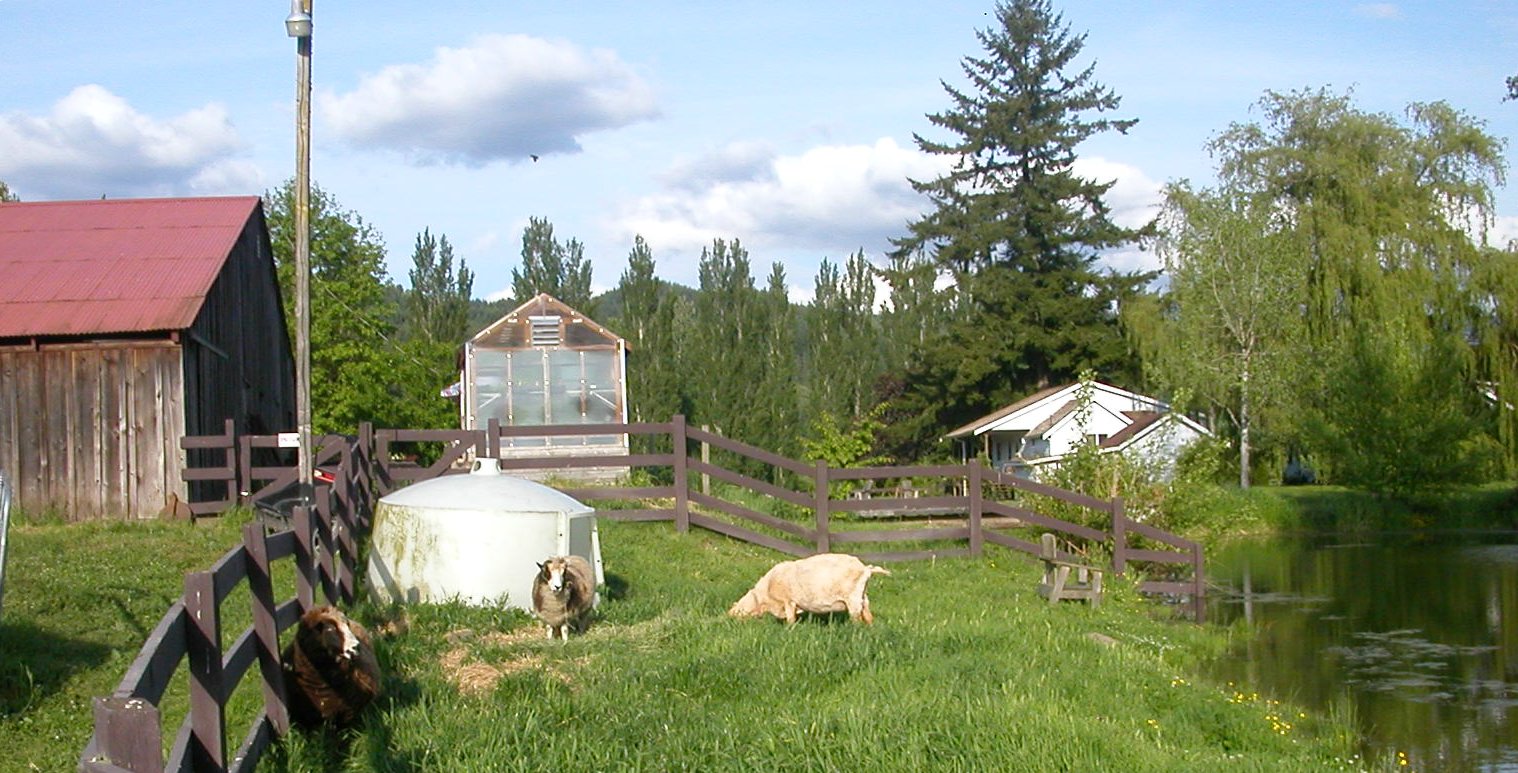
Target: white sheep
[(827, 582), (563, 593)]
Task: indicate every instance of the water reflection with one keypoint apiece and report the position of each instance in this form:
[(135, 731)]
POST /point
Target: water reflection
[(1418, 637)]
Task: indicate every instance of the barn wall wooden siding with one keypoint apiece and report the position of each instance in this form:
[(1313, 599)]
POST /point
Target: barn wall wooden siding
[(92, 430)]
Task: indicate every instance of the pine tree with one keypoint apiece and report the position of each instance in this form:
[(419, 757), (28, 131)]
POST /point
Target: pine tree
[(1018, 231)]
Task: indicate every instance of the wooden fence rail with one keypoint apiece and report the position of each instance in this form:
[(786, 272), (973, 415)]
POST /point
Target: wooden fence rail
[(323, 545)]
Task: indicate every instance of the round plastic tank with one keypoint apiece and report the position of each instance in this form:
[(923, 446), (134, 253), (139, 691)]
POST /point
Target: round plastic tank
[(475, 537)]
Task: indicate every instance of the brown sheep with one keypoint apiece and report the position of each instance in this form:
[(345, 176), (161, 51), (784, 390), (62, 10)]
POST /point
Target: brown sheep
[(330, 670), (828, 582), (563, 593)]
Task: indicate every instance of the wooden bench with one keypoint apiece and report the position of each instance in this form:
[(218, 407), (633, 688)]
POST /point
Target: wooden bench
[(1066, 580)]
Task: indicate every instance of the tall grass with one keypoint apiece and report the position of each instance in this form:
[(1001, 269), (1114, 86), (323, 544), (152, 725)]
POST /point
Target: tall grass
[(965, 669)]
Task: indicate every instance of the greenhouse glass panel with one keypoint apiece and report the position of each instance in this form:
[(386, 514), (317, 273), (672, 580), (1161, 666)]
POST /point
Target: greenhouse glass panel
[(565, 386), (489, 387), (528, 393), (601, 392)]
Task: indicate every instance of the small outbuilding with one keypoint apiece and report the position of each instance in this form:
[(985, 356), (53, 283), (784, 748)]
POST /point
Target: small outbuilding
[(125, 325), (1040, 430), (546, 363)]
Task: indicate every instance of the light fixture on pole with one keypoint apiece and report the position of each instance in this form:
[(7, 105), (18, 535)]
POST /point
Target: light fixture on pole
[(298, 26)]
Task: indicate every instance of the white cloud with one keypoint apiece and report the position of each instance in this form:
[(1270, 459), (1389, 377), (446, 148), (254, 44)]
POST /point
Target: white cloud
[(1504, 231), (1379, 10), (831, 199), (93, 142), (502, 97), (1134, 199)]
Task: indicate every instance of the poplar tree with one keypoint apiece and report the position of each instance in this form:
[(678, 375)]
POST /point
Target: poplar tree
[(844, 352), (550, 266), (654, 382), (437, 305)]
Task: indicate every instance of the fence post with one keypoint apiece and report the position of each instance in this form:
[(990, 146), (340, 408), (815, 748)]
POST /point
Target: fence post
[(822, 495), (493, 437), (682, 474), (340, 550), (244, 446), (364, 464), (977, 505), (324, 548), (1199, 591), (231, 460), (265, 627), (128, 735), (1119, 537), (706, 458), (208, 720), (305, 590)]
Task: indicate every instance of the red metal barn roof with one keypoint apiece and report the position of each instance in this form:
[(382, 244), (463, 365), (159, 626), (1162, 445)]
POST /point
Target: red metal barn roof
[(112, 266)]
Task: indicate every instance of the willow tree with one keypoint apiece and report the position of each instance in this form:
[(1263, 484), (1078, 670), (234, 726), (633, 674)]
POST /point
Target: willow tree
[(1226, 329), (1390, 220)]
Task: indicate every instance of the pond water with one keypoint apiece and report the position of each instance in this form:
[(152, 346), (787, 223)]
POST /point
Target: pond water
[(1416, 636)]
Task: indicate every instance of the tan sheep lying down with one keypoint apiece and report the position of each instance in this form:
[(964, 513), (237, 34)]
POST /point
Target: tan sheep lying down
[(828, 582)]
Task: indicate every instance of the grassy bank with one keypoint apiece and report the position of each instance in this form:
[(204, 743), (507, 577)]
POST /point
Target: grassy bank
[(1226, 511), (965, 668)]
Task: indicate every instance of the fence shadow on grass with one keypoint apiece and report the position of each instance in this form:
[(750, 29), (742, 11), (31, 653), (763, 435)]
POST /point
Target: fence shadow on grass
[(37, 663)]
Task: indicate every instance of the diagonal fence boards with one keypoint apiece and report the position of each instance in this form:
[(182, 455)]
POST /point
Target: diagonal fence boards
[(884, 513)]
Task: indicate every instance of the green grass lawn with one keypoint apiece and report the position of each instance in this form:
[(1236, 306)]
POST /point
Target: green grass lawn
[(966, 668)]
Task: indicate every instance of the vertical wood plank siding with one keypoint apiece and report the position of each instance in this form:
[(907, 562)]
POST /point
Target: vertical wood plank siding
[(91, 429), (89, 423)]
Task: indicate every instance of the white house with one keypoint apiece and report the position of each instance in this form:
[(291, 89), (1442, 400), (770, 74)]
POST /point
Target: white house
[(1045, 427)]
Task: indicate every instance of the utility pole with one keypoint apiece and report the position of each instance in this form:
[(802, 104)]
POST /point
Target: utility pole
[(298, 26)]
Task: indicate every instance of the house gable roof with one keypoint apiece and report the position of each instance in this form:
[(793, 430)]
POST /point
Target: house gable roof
[(515, 331), (1019, 414), (113, 266), (1146, 423)]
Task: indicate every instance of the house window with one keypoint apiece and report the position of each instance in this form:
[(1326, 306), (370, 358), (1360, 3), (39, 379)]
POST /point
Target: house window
[(1097, 438), (545, 330)]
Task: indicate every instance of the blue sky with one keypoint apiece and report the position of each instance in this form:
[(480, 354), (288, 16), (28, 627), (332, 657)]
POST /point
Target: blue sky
[(787, 125)]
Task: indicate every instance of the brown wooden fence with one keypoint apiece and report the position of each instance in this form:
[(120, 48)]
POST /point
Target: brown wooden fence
[(798, 508), (322, 546)]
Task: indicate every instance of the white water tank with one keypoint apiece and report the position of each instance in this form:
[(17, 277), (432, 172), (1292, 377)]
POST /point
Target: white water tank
[(476, 537)]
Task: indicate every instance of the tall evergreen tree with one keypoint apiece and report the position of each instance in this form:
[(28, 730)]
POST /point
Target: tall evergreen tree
[(550, 266), (6, 194), (1018, 230)]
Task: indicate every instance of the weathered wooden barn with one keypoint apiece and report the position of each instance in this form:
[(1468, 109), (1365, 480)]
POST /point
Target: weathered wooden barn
[(125, 325)]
